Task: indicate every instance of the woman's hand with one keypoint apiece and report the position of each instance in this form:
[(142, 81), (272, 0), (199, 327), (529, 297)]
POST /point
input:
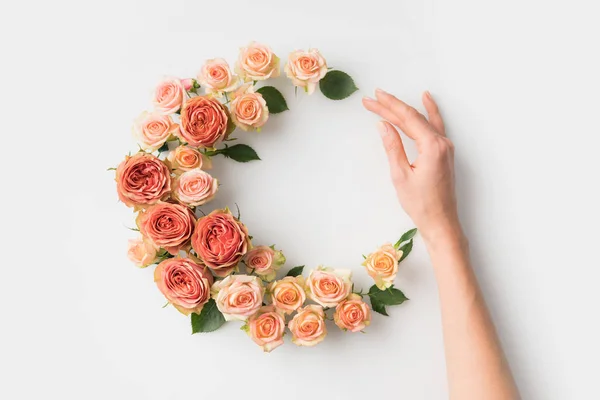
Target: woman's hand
[(425, 188)]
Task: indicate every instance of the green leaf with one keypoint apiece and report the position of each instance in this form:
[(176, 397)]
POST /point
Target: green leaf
[(111, 169), (164, 147), (388, 297), (406, 236), (406, 249), (275, 101), (337, 85), (295, 271), (209, 320), (238, 152), (378, 306)]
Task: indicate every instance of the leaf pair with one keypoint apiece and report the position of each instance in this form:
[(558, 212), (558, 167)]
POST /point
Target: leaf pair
[(382, 298), (407, 247), (237, 152)]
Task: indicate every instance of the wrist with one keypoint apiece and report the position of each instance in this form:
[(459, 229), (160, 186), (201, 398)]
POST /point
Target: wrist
[(445, 236)]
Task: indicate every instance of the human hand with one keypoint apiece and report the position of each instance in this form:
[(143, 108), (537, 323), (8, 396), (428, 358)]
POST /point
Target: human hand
[(425, 188)]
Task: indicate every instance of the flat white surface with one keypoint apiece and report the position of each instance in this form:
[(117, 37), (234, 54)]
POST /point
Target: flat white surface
[(518, 84)]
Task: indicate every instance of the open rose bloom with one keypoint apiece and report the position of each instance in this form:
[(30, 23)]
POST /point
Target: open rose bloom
[(185, 158), (194, 187), (216, 77), (266, 328), (306, 69), (169, 96), (308, 326), (257, 62), (167, 225), (248, 109), (382, 265), (203, 122), (328, 286), (352, 314), (288, 294), (152, 130), (141, 252), (142, 180), (238, 297), (264, 261)]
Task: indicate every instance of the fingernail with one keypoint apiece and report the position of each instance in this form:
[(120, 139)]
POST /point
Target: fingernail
[(429, 96), (367, 98), (381, 91), (383, 128)]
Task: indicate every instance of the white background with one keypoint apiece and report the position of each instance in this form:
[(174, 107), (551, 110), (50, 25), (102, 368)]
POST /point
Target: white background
[(517, 82)]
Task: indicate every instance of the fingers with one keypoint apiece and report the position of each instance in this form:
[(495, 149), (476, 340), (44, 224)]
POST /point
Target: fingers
[(435, 118), (394, 148)]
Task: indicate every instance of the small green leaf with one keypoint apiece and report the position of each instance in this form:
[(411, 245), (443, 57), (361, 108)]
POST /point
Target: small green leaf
[(388, 297), (406, 249), (164, 147), (239, 153), (209, 320), (111, 169), (406, 236), (275, 101), (378, 306), (337, 85), (295, 271)]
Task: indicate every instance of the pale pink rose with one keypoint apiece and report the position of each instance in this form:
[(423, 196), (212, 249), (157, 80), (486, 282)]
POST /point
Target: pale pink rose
[(220, 241), (306, 68), (216, 77), (185, 158), (266, 328), (352, 314), (308, 326), (169, 96), (141, 252), (328, 286), (203, 122), (248, 108), (238, 296), (257, 62), (184, 283), (188, 84), (195, 187), (142, 179), (152, 130), (288, 294), (382, 265), (167, 225), (264, 261)]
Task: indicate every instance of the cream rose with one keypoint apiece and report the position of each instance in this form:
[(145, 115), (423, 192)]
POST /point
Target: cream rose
[(328, 286), (185, 158), (248, 108), (306, 68), (194, 187), (352, 314), (264, 261), (257, 62), (266, 328), (141, 252), (308, 326), (238, 296), (152, 130), (169, 96), (382, 265), (288, 294), (216, 77)]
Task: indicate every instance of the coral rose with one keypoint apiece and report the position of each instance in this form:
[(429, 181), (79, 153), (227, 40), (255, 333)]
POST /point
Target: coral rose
[(264, 261), (382, 265), (152, 130), (306, 68), (257, 62), (167, 225), (352, 314), (220, 241), (185, 158), (142, 179), (238, 296), (194, 187), (248, 108), (328, 287), (308, 326), (203, 122), (169, 96), (216, 77), (141, 252), (288, 293), (266, 328), (184, 283)]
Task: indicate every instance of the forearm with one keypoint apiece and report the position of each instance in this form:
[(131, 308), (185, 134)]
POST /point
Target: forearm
[(476, 365)]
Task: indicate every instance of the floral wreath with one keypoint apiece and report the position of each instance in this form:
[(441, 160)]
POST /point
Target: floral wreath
[(197, 260)]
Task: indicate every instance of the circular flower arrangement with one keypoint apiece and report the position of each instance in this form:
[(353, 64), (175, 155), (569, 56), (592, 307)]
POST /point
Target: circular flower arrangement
[(207, 267)]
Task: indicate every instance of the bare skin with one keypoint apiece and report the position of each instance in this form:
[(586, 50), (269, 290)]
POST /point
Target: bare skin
[(476, 366)]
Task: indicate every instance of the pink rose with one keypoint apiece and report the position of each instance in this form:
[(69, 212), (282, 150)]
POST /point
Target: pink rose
[(188, 84), (248, 108), (194, 187), (306, 68), (238, 296), (308, 326), (220, 241), (152, 130), (328, 287), (257, 62), (382, 265), (186, 159), (169, 96), (264, 261), (352, 314), (288, 293), (216, 77), (142, 179), (266, 328), (167, 225), (203, 122), (184, 283), (141, 252)]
